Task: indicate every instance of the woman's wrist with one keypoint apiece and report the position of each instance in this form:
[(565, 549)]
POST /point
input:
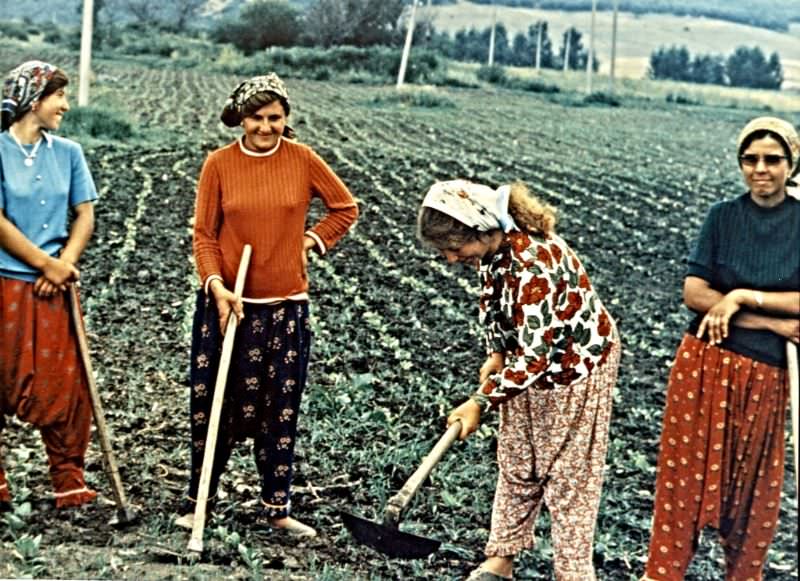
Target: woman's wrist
[(481, 400), (215, 285), (758, 298), (739, 297), (747, 297)]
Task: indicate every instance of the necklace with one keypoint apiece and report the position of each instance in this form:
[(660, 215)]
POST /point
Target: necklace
[(29, 157)]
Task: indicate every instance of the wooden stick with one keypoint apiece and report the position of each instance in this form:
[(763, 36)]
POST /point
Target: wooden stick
[(397, 504), (124, 513), (794, 387), (199, 522)]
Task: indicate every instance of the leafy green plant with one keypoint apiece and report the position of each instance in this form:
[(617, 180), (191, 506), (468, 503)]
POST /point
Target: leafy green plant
[(531, 85), (97, 122), (12, 29), (602, 98), (26, 550), (494, 74), (253, 560), (414, 97), (683, 99), (16, 520)]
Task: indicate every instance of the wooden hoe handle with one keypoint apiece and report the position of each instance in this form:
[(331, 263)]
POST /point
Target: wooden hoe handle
[(124, 513), (199, 522), (794, 387), (398, 503)]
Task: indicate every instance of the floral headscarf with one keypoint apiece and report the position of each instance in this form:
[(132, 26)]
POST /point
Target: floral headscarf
[(785, 132), (475, 205), (22, 87), (271, 83)]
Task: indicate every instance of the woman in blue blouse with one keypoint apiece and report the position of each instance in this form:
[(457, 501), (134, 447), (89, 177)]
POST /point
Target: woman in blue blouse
[(42, 177)]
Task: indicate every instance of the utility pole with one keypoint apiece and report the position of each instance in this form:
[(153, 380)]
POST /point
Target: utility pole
[(401, 75), (539, 26), (429, 22), (491, 36), (590, 56), (85, 68), (613, 47), (566, 49)]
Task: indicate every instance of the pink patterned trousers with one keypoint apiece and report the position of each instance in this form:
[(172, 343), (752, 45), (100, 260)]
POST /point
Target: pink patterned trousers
[(551, 449)]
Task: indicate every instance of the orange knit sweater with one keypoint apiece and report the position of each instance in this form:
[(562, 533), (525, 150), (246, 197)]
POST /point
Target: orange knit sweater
[(263, 201)]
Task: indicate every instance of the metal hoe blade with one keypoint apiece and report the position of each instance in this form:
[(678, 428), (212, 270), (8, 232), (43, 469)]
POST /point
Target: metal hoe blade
[(388, 539)]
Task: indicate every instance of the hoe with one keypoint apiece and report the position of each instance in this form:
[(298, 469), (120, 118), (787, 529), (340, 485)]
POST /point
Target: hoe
[(386, 537)]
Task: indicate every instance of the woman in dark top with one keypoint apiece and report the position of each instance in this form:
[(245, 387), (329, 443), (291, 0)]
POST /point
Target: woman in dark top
[(722, 445)]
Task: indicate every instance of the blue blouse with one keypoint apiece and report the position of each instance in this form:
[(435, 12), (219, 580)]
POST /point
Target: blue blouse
[(37, 198)]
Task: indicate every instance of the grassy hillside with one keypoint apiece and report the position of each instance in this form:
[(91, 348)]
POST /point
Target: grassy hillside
[(775, 14), (638, 35), (69, 11)]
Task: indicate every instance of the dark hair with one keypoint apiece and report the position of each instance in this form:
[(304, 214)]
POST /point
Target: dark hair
[(258, 100), (761, 134), (443, 232), (59, 80), (231, 117)]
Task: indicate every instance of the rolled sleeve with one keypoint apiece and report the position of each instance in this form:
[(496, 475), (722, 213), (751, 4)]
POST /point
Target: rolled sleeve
[(207, 222), (82, 187)]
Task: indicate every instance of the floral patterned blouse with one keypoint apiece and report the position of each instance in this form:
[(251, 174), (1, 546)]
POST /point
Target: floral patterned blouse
[(540, 310)]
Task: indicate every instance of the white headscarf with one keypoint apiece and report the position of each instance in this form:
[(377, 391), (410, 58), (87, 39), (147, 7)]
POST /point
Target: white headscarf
[(475, 205)]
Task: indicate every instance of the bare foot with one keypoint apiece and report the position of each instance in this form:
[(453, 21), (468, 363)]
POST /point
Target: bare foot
[(503, 566), (292, 526)]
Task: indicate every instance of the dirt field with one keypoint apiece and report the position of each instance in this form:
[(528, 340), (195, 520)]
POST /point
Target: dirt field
[(396, 336)]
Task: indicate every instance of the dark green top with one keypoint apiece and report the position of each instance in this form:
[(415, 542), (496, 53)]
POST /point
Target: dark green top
[(742, 245)]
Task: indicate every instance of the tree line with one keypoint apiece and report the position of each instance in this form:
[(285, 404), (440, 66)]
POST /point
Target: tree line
[(362, 23), (745, 67), (771, 14), (472, 45)]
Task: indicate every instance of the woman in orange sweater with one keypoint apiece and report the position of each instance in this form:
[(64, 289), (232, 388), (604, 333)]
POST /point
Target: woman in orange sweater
[(257, 191)]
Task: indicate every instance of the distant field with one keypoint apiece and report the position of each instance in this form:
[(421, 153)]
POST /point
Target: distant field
[(638, 35)]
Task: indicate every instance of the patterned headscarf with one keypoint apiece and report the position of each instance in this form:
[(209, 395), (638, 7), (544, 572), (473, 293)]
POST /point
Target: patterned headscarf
[(271, 83), (785, 132), (22, 88), (475, 205)]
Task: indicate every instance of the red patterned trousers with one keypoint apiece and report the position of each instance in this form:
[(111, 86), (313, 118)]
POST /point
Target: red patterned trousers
[(43, 383), (720, 462)]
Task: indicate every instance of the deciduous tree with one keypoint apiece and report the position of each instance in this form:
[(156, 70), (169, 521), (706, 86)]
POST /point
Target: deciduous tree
[(578, 55), (355, 22), (261, 24), (748, 67)]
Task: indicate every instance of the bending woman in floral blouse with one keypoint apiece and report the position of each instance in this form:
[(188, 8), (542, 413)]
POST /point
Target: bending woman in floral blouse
[(553, 353)]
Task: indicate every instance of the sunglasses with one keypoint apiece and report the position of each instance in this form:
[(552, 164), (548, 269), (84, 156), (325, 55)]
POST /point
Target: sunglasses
[(751, 159)]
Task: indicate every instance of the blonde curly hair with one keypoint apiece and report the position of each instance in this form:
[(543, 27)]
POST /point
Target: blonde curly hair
[(529, 212)]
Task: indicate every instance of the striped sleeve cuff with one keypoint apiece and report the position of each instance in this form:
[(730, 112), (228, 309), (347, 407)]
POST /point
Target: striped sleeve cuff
[(321, 248), (207, 283)]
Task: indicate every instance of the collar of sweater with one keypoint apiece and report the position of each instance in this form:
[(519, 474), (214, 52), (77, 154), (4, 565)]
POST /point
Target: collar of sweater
[(257, 154)]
